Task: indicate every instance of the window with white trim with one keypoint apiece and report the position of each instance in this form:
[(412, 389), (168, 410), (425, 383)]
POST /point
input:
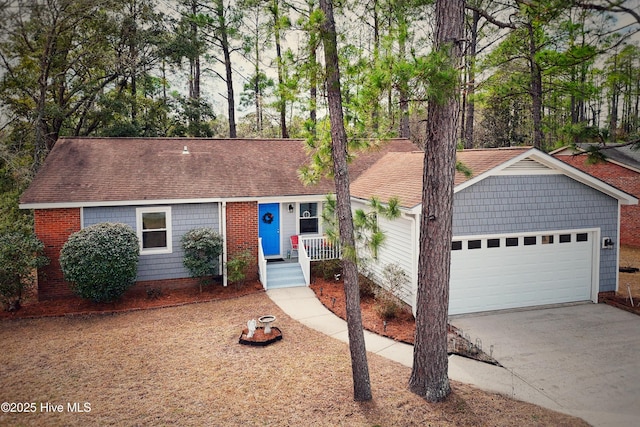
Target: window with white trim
[(154, 230), (308, 219)]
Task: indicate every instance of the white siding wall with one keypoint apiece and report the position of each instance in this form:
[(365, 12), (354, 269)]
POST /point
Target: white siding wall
[(398, 248), (289, 227)]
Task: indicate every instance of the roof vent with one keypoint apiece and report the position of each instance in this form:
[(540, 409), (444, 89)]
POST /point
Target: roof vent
[(185, 150)]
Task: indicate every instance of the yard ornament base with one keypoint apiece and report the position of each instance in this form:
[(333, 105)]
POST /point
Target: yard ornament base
[(261, 336)]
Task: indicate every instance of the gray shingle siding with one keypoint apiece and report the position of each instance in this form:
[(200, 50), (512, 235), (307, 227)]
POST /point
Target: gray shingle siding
[(521, 203), (183, 217)]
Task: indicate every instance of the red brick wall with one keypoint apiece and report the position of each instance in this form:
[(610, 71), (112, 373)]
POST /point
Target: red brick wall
[(623, 179), (53, 227), (242, 232)]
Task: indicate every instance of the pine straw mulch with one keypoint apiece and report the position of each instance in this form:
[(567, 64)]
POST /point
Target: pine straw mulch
[(134, 299), (184, 366), (629, 258), (401, 328)]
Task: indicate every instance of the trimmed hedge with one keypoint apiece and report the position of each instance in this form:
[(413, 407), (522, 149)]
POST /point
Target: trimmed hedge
[(101, 261), (202, 248)]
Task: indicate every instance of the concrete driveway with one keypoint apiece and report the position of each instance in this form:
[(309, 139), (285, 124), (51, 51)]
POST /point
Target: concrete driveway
[(584, 359)]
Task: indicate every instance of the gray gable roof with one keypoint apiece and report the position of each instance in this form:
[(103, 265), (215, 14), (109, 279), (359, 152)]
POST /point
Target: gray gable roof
[(90, 171), (625, 154)]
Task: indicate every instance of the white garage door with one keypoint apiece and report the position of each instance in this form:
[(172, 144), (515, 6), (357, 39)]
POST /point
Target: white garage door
[(509, 271)]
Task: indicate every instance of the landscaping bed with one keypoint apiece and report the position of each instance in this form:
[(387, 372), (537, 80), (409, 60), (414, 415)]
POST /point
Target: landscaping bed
[(401, 328), (131, 301), (629, 281)]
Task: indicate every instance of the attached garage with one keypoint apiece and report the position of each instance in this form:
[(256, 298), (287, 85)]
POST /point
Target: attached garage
[(509, 271), (528, 230)]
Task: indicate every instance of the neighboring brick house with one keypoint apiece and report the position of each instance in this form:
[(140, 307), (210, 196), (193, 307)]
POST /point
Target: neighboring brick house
[(622, 170), (528, 229), (186, 183)]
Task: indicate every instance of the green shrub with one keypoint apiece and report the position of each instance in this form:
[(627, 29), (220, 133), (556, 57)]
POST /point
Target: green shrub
[(13, 218), (101, 261), (328, 269), (202, 248), (20, 255), (237, 268)]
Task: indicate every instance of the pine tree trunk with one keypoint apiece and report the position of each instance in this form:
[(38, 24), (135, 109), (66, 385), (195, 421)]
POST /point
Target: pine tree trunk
[(403, 87), (282, 103), (359, 366), (470, 102), (231, 103), (312, 47), (429, 375), (226, 51), (536, 90)]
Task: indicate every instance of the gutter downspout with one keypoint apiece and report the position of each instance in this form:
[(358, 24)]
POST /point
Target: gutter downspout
[(223, 226), (618, 246)]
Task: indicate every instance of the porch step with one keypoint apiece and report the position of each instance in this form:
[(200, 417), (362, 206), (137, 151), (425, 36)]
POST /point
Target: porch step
[(284, 275)]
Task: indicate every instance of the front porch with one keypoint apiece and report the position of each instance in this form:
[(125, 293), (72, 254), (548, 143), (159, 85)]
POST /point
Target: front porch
[(296, 271)]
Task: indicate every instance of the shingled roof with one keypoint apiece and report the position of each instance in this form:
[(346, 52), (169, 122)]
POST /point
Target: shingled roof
[(90, 171), (400, 174)]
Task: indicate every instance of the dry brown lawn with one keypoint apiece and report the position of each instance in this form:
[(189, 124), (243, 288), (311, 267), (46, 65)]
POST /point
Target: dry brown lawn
[(630, 257), (184, 366)]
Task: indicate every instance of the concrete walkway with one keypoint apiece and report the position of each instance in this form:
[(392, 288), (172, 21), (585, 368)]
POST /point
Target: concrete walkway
[(302, 305)]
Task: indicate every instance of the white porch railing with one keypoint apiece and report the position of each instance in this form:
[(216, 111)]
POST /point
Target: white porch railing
[(305, 264), (320, 248), (262, 264)]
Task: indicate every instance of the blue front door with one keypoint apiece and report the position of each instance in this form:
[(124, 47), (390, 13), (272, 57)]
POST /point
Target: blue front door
[(269, 228)]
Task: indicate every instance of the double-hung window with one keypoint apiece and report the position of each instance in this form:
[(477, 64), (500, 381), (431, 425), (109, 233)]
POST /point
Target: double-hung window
[(308, 219), (154, 230)]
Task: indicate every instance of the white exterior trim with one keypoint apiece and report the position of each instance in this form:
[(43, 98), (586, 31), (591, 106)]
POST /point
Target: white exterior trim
[(222, 211), (617, 243), (270, 199), (169, 229), (553, 164)]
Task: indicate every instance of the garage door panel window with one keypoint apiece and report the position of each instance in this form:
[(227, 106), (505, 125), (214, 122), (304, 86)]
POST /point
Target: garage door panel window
[(474, 244), (493, 243), (547, 240)]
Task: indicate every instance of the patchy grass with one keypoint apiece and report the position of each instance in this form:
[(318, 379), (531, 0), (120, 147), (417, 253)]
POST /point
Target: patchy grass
[(183, 366)]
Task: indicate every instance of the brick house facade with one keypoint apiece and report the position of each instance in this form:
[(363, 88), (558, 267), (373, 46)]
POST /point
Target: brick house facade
[(242, 232), (625, 178), (53, 227)]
